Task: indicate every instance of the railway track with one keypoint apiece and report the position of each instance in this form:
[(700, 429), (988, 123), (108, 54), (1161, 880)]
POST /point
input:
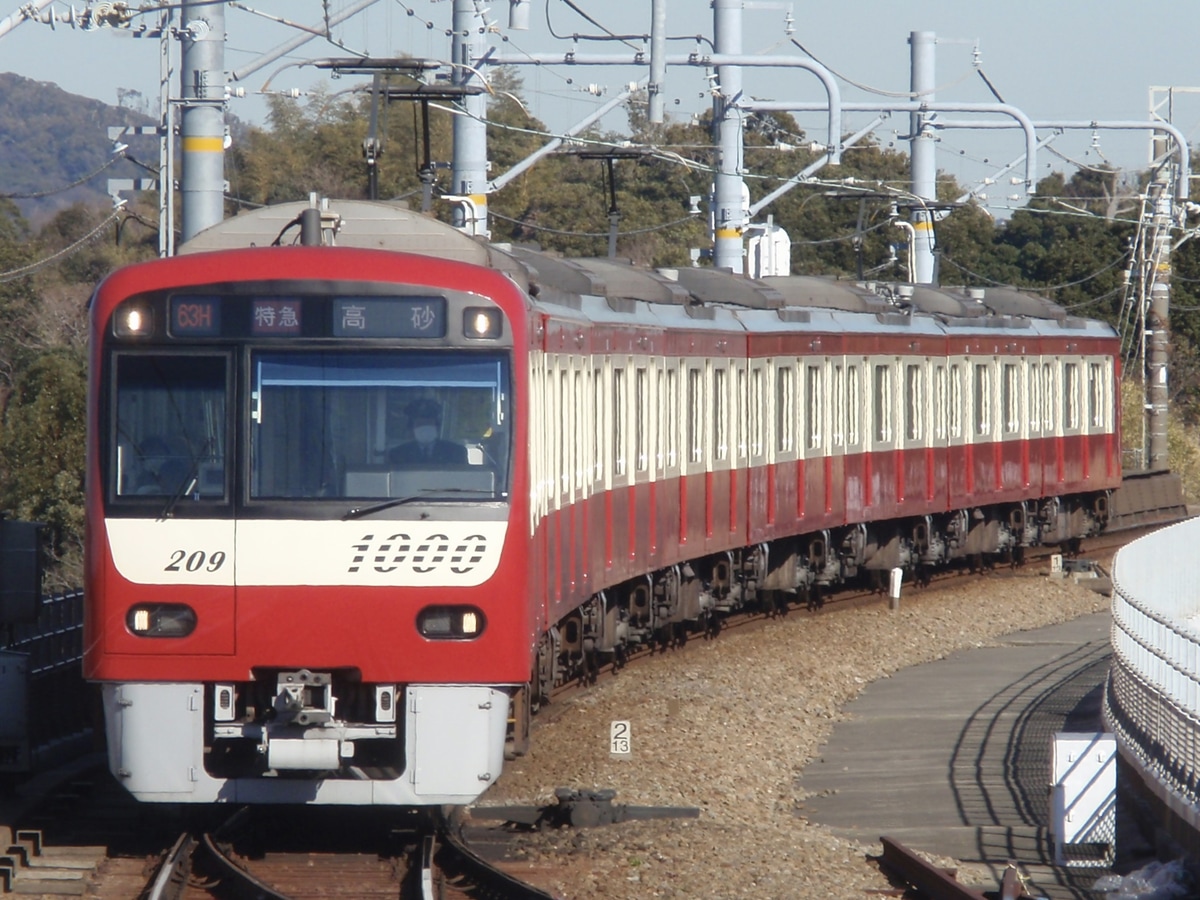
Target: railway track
[(89, 832), (97, 841)]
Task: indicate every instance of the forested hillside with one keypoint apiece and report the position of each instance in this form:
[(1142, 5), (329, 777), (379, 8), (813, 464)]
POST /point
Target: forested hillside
[(1071, 243)]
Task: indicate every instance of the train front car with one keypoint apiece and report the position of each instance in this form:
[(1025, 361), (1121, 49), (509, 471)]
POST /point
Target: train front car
[(306, 527)]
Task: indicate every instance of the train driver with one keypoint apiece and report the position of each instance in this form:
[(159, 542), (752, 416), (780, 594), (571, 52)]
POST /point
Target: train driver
[(427, 447)]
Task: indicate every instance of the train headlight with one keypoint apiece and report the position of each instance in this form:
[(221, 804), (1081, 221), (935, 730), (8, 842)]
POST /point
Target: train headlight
[(482, 322), (133, 320), (161, 620), (450, 622)]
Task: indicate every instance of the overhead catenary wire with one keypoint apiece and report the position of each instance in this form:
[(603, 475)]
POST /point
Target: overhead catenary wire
[(14, 274)]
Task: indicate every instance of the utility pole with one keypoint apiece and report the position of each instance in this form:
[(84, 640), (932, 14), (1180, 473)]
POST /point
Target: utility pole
[(923, 154), (1158, 332), (202, 122), (728, 201), (469, 166), (658, 60)]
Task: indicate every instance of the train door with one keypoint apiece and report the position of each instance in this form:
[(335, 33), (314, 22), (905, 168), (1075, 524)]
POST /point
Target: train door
[(693, 500), (1033, 423), (882, 452), (671, 511), (1012, 444), (717, 455), (738, 453), (812, 473), (854, 462), (758, 502), (1074, 439)]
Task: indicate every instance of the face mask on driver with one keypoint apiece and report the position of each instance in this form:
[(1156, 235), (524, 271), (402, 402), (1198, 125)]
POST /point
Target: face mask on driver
[(425, 434)]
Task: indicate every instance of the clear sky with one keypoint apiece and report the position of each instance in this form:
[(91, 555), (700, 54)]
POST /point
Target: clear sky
[(1056, 60)]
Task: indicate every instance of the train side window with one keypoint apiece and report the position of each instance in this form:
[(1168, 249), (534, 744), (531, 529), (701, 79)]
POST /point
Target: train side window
[(837, 392), (581, 454), (814, 406), (882, 404), (914, 403), (785, 411), (695, 416), (853, 406), (983, 400), (641, 411), (738, 411), (955, 403), (672, 406), (1010, 398), (1035, 397), (1095, 396), (563, 434), (597, 390), (1071, 395), (1049, 420), (757, 437), (618, 421), (940, 418), (719, 418)]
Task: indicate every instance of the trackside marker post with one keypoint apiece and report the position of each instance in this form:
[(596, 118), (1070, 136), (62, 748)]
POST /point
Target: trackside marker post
[(619, 739), (894, 588)]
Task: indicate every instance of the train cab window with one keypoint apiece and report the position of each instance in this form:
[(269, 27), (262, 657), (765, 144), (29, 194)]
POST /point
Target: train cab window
[(914, 403), (169, 427), (882, 404), (983, 400), (378, 425), (814, 406), (1071, 417)]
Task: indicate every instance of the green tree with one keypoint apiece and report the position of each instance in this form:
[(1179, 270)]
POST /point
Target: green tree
[(42, 455)]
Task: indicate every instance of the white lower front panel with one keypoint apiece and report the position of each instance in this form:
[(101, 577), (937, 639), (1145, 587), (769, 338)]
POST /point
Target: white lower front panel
[(454, 747)]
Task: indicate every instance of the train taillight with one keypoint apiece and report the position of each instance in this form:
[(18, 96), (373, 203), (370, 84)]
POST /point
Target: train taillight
[(161, 620)]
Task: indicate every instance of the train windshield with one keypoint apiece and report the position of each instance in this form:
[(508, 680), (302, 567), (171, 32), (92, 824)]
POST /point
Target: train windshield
[(379, 425), (170, 426)]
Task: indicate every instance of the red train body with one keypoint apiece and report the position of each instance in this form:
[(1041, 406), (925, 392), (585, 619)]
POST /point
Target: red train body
[(287, 603)]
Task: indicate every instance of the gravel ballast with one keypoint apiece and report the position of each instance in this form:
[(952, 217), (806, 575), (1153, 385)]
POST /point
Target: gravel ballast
[(728, 728)]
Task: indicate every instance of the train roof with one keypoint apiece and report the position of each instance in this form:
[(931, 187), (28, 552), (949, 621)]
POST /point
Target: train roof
[(695, 291)]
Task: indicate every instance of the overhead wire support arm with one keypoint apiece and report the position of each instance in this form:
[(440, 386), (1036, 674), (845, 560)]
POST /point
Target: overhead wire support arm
[(1181, 150), (834, 103), (528, 162)]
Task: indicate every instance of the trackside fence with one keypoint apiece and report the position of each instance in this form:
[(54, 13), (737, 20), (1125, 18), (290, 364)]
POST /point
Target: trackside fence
[(43, 678), (1152, 698)]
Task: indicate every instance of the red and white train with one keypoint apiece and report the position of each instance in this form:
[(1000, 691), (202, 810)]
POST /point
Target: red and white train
[(353, 511)]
